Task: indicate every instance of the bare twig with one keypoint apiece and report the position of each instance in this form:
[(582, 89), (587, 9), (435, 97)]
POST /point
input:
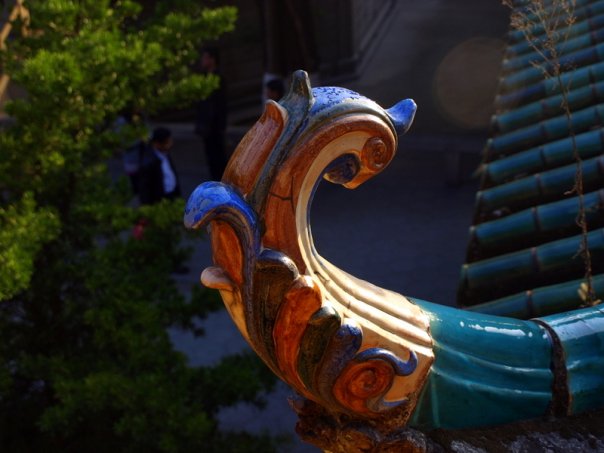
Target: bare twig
[(555, 22)]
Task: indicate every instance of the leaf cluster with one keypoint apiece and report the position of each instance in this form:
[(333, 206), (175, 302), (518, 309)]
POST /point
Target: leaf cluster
[(85, 360)]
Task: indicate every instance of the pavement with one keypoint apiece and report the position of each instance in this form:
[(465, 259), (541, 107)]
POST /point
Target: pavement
[(405, 230)]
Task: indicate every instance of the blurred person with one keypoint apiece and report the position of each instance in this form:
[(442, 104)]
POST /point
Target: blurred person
[(157, 178), (211, 116), (274, 89), (158, 181)]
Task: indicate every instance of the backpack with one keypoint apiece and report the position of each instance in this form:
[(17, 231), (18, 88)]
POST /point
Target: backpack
[(132, 162)]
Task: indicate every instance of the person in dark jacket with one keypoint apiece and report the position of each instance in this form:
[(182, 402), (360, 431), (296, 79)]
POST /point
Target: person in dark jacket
[(211, 117), (157, 176), (274, 89)]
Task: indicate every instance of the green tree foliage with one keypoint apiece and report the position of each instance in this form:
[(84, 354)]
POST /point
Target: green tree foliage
[(85, 360)]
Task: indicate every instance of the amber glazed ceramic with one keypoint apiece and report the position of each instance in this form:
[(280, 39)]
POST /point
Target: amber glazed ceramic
[(353, 348)]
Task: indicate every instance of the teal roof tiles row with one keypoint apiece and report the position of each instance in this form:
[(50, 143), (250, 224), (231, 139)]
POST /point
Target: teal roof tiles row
[(526, 250)]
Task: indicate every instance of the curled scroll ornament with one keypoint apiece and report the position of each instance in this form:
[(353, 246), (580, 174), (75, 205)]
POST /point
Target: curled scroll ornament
[(339, 341)]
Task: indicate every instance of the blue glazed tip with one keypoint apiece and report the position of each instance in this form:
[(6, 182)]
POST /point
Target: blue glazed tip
[(212, 199), (401, 114)]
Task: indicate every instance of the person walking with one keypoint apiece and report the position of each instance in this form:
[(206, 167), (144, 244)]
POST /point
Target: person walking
[(158, 181), (274, 89), (157, 178), (211, 117)]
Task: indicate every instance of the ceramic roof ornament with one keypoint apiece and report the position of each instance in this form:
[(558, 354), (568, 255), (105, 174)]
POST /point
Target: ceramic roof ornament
[(358, 351)]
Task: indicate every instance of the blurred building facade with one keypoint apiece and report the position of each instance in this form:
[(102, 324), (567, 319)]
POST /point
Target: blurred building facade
[(446, 56), (330, 40), (443, 54)]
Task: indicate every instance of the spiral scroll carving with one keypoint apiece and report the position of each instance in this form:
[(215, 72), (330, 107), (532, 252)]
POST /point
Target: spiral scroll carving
[(375, 154), (362, 354), (363, 384)]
